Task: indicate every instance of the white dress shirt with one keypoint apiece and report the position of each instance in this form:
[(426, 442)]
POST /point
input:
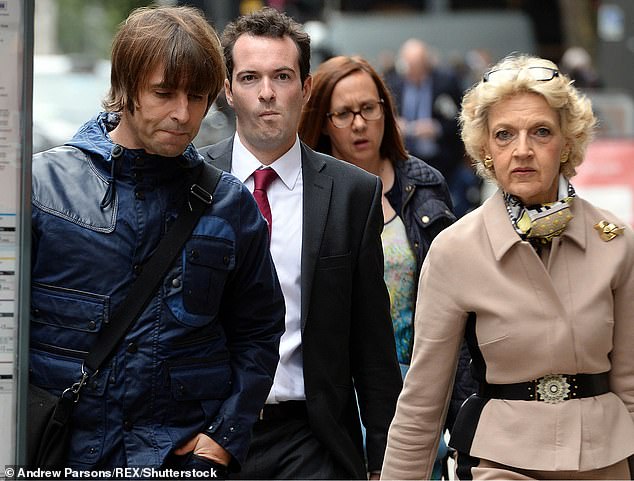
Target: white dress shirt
[(285, 196)]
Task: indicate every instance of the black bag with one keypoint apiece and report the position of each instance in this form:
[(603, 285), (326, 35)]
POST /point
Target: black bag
[(48, 416), (48, 421)]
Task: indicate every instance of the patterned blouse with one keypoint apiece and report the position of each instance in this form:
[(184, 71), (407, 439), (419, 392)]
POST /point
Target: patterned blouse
[(400, 266)]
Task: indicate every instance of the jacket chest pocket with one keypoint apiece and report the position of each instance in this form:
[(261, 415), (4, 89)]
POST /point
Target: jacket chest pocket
[(66, 319), (207, 262), (432, 216)]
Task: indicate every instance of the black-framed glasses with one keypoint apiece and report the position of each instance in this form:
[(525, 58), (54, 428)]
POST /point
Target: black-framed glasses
[(345, 118), (541, 74)]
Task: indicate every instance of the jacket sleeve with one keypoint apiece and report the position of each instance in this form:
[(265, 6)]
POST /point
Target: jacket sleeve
[(252, 315), (621, 359), (438, 332), (376, 373)]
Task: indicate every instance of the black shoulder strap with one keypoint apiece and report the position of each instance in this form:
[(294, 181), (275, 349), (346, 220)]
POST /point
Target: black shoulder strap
[(199, 198)]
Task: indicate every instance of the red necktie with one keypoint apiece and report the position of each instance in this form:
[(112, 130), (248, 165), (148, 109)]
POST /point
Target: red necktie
[(262, 179)]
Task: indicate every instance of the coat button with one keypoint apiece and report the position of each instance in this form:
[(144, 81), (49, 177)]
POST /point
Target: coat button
[(139, 195), (194, 254), (92, 325), (408, 188), (127, 425), (176, 282), (416, 245), (225, 260), (425, 219), (137, 268), (132, 348)]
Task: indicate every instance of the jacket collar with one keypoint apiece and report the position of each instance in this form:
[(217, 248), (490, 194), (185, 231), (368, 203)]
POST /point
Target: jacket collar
[(94, 138), (502, 235), (417, 172), (221, 155)]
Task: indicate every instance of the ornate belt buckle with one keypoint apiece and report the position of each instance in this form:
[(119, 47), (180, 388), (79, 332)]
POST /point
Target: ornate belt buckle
[(553, 388)]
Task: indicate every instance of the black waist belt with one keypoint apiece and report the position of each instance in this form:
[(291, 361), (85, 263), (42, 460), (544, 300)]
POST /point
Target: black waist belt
[(553, 388), (284, 410)]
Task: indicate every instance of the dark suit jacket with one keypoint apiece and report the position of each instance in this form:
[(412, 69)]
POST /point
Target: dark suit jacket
[(347, 336), (446, 98)]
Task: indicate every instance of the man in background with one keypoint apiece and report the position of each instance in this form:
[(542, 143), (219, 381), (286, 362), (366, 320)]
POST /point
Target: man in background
[(427, 99)]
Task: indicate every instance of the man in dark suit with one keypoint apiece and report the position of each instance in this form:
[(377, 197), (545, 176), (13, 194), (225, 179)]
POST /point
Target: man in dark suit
[(427, 99), (326, 219)]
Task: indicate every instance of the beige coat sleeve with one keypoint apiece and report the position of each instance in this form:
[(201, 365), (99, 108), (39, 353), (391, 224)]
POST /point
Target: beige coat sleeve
[(622, 355), (439, 325)]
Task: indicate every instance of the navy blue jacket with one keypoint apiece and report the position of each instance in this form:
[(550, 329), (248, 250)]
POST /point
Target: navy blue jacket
[(425, 207), (203, 353), (446, 98), (424, 204)]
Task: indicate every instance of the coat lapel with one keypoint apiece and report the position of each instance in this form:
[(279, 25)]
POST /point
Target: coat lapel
[(316, 204), (220, 154), (503, 239), (317, 194)]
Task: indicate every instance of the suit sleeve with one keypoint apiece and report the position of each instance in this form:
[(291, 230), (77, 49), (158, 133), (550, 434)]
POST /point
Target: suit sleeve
[(375, 367), (252, 315)]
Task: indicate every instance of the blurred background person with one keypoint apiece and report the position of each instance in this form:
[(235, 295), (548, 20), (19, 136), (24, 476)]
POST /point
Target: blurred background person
[(350, 115), (577, 63), (426, 98), (506, 275)]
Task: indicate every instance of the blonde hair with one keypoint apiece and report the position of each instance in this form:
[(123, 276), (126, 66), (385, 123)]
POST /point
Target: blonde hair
[(577, 121)]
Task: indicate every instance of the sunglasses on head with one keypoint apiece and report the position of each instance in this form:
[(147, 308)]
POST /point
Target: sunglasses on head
[(541, 74)]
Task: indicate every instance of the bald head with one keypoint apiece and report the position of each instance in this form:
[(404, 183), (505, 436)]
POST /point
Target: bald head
[(415, 60)]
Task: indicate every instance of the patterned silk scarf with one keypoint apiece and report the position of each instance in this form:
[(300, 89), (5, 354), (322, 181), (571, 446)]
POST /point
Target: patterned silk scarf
[(541, 223)]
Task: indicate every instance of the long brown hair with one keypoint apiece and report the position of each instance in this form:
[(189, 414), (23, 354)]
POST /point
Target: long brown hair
[(312, 123)]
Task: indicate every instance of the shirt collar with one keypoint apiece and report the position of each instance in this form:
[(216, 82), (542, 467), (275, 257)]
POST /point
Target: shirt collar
[(287, 167)]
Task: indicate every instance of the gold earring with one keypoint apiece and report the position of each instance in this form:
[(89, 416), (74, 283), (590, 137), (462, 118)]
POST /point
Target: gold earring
[(488, 161), (564, 157)]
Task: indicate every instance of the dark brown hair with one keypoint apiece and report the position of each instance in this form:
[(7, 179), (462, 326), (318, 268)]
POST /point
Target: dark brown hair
[(179, 39), (329, 73), (270, 23)]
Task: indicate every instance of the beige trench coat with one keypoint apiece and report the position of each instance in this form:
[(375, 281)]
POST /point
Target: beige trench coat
[(573, 315)]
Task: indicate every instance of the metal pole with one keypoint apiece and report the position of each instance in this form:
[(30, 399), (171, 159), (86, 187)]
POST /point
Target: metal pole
[(23, 238)]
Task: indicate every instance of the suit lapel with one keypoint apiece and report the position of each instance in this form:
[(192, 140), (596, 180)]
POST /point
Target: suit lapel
[(317, 193), (220, 154), (316, 203)]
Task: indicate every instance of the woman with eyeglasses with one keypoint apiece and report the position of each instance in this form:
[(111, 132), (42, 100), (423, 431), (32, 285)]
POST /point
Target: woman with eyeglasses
[(350, 116), (541, 282)]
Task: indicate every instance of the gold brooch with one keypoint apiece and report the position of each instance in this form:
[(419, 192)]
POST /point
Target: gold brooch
[(608, 231)]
